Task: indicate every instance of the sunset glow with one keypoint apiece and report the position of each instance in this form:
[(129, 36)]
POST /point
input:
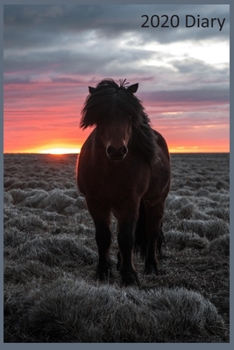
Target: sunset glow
[(60, 151), (53, 53)]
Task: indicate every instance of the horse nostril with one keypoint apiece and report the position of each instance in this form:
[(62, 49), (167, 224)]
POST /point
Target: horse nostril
[(123, 151), (110, 151), (116, 154)]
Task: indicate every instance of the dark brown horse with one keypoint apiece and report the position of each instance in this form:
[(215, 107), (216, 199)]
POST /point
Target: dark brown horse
[(123, 168)]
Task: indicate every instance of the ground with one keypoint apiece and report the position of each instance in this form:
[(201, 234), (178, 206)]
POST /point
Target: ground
[(52, 293)]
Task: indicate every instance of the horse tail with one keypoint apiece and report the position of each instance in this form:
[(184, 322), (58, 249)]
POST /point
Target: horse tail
[(160, 242), (141, 239)]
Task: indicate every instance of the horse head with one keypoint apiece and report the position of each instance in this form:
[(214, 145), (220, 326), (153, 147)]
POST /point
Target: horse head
[(113, 120)]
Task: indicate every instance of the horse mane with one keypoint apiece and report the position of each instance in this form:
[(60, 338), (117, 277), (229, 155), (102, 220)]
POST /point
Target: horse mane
[(109, 101)]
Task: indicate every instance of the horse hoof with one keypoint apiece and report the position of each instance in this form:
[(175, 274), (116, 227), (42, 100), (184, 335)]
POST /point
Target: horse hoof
[(130, 279), (151, 269), (104, 273)]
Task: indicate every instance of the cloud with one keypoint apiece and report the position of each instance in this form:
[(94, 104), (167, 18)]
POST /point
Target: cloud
[(51, 23), (52, 53), (188, 96)]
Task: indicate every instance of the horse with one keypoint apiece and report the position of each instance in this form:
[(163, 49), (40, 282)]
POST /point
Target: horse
[(123, 169)]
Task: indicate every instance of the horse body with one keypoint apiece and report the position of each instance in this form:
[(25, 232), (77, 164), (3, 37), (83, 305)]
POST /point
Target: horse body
[(117, 174)]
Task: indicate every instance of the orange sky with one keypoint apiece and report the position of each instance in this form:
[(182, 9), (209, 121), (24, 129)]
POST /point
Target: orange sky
[(36, 122), (31, 126), (47, 129)]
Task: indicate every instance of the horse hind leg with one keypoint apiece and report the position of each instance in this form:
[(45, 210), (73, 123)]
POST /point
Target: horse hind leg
[(154, 215)]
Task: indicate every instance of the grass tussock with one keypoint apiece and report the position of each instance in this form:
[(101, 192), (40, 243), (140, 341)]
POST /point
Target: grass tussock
[(71, 310), (51, 290)]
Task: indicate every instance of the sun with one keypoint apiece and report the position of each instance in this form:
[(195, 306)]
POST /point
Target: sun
[(60, 151)]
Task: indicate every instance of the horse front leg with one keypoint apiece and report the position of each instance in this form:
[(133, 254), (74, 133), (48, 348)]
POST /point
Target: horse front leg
[(103, 239), (127, 225), (101, 218), (154, 217)]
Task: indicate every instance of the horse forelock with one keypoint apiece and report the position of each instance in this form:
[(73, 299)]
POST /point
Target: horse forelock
[(109, 101)]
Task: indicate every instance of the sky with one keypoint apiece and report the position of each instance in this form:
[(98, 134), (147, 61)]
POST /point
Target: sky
[(53, 53)]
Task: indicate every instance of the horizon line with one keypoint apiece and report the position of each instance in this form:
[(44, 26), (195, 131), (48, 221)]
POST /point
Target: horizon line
[(75, 153)]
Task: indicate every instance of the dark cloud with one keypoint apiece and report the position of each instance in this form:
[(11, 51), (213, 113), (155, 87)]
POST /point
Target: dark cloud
[(189, 96), (48, 23)]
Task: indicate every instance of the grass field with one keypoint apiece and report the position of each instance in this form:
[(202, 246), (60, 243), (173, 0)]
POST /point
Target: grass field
[(51, 290)]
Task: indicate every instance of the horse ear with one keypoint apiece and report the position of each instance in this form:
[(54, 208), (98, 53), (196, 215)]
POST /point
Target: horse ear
[(133, 88), (91, 89)]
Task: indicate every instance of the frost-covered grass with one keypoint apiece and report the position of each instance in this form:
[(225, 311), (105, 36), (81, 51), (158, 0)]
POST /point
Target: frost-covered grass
[(51, 290)]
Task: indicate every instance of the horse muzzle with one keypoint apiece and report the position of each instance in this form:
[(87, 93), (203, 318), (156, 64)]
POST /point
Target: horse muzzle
[(116, 153)]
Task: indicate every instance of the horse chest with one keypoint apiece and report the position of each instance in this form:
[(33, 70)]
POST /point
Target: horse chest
[(114, 181), (119, 181)]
